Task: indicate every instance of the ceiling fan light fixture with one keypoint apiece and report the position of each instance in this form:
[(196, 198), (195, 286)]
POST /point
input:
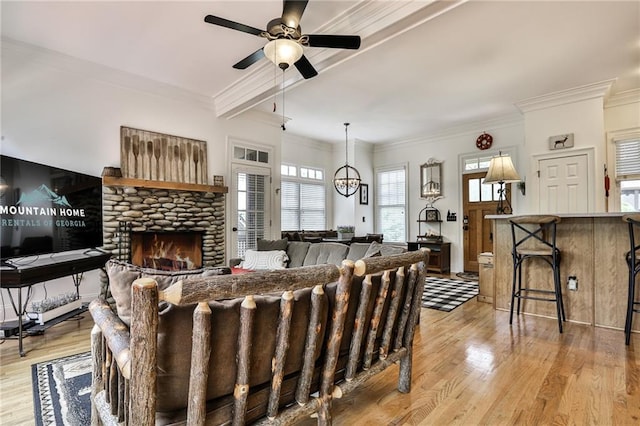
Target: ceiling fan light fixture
[(283, 52)]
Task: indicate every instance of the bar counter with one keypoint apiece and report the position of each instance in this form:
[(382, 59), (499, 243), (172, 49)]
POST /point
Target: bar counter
[(592, 246)]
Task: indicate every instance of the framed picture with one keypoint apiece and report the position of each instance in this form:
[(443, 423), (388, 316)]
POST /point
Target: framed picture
[(433, 215), (364, 193)]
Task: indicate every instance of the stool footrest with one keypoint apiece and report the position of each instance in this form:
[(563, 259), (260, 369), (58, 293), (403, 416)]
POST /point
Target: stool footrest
[(519, 294)]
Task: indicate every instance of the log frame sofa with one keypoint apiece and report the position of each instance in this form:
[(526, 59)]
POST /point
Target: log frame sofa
[(359, 319)]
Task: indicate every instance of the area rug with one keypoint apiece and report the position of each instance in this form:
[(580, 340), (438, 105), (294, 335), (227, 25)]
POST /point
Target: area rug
[(62, 391), (468, 276), (445, 294)]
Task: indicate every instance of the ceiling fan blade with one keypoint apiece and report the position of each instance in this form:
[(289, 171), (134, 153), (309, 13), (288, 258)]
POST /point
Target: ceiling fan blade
[(306, 69), (250, 60), (215, 20), (334, 41), (292, 11)]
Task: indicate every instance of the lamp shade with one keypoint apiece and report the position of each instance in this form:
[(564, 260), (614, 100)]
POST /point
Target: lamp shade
[(501, 170), (283, 52)]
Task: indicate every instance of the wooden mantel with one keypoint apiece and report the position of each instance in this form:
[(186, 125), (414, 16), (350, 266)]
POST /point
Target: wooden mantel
[(155, 184)]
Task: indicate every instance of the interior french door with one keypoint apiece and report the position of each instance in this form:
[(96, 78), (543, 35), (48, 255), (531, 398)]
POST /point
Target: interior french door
[(251, 207)]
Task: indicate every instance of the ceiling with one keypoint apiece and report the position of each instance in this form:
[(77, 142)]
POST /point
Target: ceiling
[(424, 68)]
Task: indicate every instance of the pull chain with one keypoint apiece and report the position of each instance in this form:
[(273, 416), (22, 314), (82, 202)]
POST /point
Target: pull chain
[(283, 126), (275, 92)]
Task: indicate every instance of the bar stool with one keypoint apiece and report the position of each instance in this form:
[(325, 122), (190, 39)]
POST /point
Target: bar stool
[(633, 262), (534, 237)]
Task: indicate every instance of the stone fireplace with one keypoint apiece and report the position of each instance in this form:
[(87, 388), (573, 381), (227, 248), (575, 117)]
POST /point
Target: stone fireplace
[(133, 207)]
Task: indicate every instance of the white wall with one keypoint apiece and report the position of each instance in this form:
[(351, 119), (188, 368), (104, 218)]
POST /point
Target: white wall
[(363, 214), (585, 119), (447, 149), (67, 113)]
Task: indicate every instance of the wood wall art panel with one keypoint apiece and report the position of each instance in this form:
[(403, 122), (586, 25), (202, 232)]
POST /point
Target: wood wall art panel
[(161, 157)]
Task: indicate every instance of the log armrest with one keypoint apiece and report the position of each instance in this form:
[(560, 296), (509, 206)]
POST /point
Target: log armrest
[(115, 333)]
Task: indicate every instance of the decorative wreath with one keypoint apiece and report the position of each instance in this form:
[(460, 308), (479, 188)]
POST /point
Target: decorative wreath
[(484, 141)]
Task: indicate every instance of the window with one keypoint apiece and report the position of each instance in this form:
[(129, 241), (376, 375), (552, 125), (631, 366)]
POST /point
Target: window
[(476, 163), (628, 172), (480, 192), (250, 154), (391, 205), (303, 199)]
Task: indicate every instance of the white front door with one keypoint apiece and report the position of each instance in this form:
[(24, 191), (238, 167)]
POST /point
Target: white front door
[(564, 184), (250, 207)]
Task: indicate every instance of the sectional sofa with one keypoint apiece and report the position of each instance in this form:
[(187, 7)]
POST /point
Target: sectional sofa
[(270, 347)]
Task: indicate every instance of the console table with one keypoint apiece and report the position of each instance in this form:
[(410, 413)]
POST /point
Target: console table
[(440, 256), (22, 273)]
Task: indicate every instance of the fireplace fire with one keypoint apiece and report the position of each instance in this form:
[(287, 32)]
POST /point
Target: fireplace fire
[(167, 251)]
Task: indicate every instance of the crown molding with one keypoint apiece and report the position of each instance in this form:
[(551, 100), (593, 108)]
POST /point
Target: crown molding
[(101, 73), (375, 22), (463, 130), (564, 97), (623, 98), (292, 138), (263, 117)]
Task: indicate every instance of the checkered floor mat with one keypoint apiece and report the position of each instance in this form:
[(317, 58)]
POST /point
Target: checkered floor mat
[(445, 294)]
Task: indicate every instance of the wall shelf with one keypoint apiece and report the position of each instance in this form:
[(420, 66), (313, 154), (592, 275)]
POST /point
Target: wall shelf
[(156, 184)]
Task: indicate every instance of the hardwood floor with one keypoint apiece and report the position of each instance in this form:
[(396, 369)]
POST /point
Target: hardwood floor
[(470, 367)]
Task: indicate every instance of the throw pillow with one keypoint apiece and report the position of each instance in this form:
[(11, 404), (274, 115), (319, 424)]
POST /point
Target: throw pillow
[(271, 245), (122, 275), (275, 259)]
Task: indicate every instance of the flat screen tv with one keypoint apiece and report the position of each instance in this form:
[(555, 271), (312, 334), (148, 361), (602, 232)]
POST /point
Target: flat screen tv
[(45, 209)]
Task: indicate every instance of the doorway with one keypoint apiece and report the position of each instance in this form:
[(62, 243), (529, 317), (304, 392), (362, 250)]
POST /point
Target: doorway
[(564, 184), (250, 207), (478, 201)]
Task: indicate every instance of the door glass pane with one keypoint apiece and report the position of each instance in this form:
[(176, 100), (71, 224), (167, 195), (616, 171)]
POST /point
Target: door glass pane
[(251, 211), (496, 193), (238, 153), (487, 190), (474, 190), (470, 164), (484, 162)]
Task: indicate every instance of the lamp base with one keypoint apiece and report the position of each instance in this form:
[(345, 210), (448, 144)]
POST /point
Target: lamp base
[(504, 206)]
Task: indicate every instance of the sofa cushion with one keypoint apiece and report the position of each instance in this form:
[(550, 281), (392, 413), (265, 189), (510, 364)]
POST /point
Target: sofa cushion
[(326, 253), (297, 251), (256, 260), (271, 245), (357, 251), (122, 275), (377, 248)]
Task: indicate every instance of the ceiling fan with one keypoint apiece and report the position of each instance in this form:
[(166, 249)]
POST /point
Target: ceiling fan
[(286, 39)]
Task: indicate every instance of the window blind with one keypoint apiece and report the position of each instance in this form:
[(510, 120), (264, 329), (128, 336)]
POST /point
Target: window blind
[(302, 206), (390, 204), (628, 159)]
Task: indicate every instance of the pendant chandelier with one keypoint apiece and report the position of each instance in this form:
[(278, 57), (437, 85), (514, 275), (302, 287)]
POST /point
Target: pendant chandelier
[(346, 180)]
